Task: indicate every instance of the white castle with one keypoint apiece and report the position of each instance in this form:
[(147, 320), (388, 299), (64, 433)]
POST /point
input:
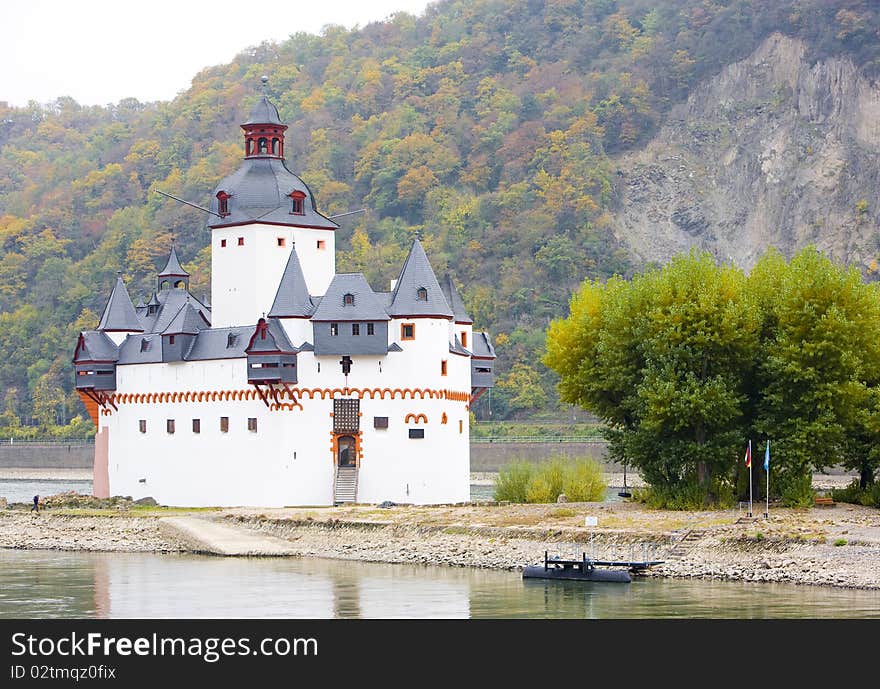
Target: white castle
[(297, 385)]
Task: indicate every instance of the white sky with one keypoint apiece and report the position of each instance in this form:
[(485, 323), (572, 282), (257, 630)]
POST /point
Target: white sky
[(101, 51)]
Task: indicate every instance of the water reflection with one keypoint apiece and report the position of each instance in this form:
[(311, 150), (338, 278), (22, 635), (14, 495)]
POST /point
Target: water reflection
[(48, 584)]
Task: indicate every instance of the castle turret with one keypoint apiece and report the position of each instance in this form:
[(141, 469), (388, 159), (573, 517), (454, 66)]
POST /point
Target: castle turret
[(259, 213), (120, 317)]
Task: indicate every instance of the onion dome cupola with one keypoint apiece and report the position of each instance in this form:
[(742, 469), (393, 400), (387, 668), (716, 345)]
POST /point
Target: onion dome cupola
[(263, 189), (173, 274)]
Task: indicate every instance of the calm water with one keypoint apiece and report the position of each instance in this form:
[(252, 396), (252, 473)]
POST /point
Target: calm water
[(49, 584)]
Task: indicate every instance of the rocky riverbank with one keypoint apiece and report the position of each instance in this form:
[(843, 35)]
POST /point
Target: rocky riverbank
[(833, 546)]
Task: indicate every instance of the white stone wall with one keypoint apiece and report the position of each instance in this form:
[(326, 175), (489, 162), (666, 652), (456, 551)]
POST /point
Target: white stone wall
[(244, 279), (288, 460)]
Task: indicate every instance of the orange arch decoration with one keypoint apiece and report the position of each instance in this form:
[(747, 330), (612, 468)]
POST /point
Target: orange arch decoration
[(416, 418)]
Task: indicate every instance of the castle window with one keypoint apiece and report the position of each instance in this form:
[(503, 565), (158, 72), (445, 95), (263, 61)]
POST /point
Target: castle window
[(222, 203), (224, 424), (296, 202), (380, 422), (223, 243), (371, 330), (348, 300), (142, 425), (171, 339), (464, 338), (274, 147), (321, 245), (355, 329), (421, 294), (230, 340), (443, 367), (282, 241), (169, 425), (407, 331), (460, 426), (164, 284), (416, 432), (241, 241), (252, 425), (180, 284), (145, 345), (197, 425), (262, 145), (334, 329), (249, 147)]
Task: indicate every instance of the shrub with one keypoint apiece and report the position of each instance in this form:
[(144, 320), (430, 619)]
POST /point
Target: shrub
[(513, 481), (688, 496), (853, 494), (840, 541), (581, 480), (797, 491)]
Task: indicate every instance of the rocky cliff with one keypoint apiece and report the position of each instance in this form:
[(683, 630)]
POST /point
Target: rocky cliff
[(773, 151)]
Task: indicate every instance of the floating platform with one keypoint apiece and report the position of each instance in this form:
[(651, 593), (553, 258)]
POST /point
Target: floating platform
[(587, 569)]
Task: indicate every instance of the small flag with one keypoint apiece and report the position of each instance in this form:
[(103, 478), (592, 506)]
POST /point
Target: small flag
[(749, 455)]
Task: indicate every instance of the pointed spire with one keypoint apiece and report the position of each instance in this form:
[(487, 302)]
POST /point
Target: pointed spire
[(172, 266), (119, 314), (154, 301), (140, 304), (187, 321), (417, 292), (292, 298), (453, 298)]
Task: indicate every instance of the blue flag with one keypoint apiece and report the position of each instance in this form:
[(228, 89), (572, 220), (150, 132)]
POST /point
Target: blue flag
[(767, 457)]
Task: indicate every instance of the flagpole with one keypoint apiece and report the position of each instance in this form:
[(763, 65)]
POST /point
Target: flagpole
[(750, 478), (767, 469)]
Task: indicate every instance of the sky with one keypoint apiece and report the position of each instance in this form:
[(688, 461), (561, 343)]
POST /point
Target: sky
[(101, 51)]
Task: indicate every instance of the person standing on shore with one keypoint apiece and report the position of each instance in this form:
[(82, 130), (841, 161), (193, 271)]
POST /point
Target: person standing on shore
[(36, 507)]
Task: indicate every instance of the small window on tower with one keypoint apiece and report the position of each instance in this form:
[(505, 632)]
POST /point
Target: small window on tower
[(296, 202), (407, 331), (371, 329), (142, 425), (321, 245), (169, 425), (252, 425), (348, 300), (222, 203), (145, 345), (171, 339), (223, 243), (416, 432), (230, 340), (334, 329), (241, 241), (464, 338), (262, 145), (422, 294), (224, 424), (443, 367), (282, 241), (197, 425), (355, 329)]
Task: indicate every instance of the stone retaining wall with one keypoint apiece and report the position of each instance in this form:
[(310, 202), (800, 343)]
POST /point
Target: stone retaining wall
[(50, 455)]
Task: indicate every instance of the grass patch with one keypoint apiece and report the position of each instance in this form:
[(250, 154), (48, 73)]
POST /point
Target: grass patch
[(581, 480), (840, 541)]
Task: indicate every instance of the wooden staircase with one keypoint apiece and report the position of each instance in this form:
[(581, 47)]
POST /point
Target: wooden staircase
[(345, 488), (683, 546)]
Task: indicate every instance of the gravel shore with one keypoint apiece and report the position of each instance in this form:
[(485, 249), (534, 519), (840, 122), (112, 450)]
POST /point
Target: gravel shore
[(833, 546)]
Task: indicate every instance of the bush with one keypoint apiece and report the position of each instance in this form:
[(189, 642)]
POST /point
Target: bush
[(853, 494), (581, 480), (797, 491), (688, 496)]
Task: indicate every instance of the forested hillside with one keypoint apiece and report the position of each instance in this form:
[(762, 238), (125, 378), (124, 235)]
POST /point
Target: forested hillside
[(487, 125)]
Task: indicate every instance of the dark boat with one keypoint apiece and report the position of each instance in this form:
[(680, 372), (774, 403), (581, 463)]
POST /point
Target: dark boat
[(587, 569)]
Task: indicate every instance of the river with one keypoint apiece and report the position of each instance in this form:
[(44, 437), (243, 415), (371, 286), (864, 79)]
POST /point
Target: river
[(60, 584)]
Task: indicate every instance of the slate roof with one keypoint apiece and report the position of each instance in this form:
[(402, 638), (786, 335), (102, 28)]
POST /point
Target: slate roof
[(276, 339), (259, 192), (366, 307), (130, 350), (292, 299), (120, 314), (454, 300), (214, 344), (187, 321), (483, 348), (172, 266), (170, 302), (96, 346), (263, 112), (456, 348), (416, 273)]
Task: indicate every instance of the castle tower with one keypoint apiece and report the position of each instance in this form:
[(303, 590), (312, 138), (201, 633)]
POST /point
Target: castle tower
[(261, 212)]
